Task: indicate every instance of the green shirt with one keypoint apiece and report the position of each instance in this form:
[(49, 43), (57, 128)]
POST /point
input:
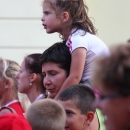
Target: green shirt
[(100, 119)]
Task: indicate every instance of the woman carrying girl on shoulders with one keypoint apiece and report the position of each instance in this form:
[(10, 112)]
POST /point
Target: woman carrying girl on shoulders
[(70, 19)]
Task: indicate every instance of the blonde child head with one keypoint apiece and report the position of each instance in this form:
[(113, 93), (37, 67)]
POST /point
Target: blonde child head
[(46, 114)]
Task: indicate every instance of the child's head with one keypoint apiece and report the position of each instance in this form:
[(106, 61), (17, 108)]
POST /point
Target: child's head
[(78, 101), (72, 12), (46, 114)]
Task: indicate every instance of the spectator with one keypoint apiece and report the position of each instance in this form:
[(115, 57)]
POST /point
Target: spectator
[(111, 75), (46, 114)]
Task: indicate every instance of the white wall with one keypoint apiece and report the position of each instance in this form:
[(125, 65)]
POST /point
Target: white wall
[(112, 19), (21, 31)]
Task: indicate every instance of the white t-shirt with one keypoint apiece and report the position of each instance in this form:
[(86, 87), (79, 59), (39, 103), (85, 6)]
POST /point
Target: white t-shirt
[(94, 47)]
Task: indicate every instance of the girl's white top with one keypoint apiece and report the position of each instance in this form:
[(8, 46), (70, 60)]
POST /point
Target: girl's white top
[(94, 47)]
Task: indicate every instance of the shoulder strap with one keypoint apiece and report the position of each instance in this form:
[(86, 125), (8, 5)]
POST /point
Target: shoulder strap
[(9, 108)]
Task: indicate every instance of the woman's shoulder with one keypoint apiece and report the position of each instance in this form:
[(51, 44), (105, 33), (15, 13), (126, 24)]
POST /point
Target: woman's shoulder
[(5, 110)]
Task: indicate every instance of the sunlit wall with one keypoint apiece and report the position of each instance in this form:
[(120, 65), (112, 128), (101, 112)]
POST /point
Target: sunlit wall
[(111, 18), (21, 32)]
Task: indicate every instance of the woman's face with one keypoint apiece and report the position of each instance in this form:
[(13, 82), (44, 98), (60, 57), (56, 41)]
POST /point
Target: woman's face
[(23, 79), (114, 107), (54, 77)]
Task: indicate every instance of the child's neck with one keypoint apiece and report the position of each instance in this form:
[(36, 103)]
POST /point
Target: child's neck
[(66, 33), (65, 37)]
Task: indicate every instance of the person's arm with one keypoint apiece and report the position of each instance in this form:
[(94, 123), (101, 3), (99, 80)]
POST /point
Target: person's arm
[(76, 69)]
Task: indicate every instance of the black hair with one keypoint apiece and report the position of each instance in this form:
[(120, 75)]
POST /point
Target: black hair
[(82, 96), (57, 53)]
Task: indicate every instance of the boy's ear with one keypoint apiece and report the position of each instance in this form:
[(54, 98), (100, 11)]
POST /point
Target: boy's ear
[(33, 77), (89, 117), (65, 16)]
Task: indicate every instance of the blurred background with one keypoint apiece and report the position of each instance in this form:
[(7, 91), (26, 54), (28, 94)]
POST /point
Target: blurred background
[(21, 31)]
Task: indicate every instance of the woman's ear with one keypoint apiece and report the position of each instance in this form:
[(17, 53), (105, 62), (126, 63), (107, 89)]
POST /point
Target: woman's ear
[(65, 17), (8, 83), (89, 117), (33, 77)]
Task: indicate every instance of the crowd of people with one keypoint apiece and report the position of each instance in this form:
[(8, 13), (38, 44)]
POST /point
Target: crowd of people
[(75, 84)]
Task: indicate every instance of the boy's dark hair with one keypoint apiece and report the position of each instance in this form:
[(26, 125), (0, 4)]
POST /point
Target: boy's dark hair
[(57, 53), (82, 96)]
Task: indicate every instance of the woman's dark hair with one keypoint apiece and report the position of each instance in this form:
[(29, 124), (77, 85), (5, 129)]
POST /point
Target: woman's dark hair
[(32, 66), (57, 53)]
